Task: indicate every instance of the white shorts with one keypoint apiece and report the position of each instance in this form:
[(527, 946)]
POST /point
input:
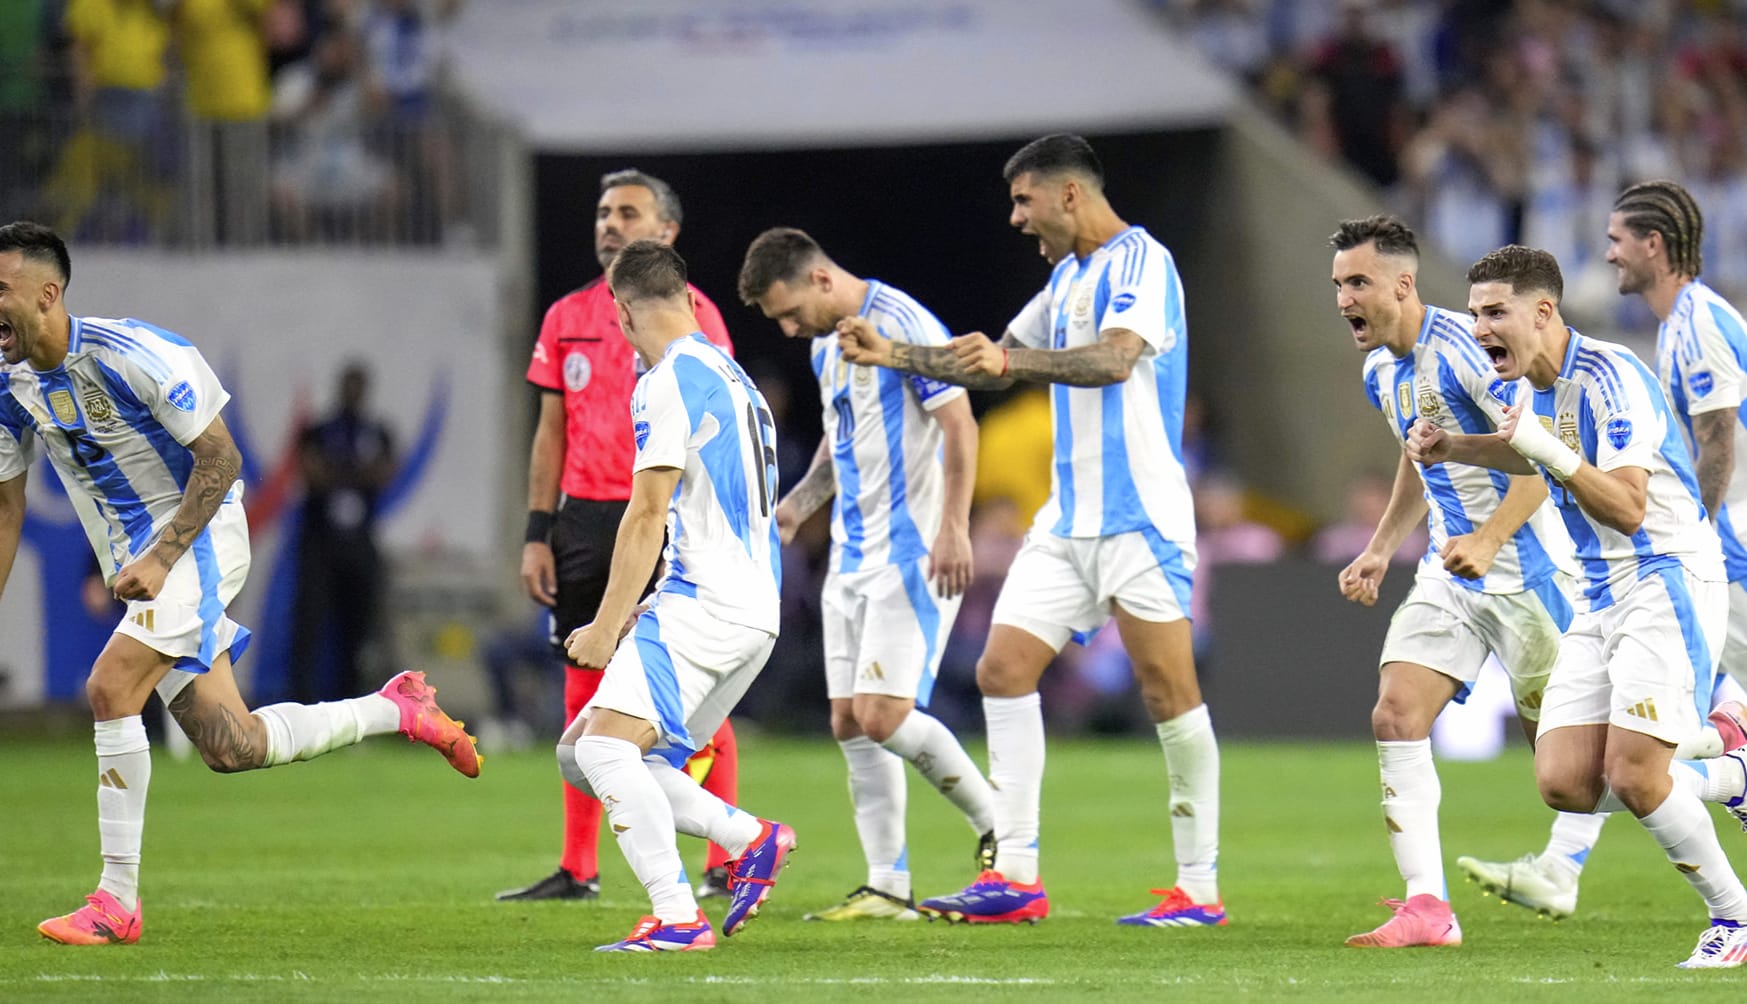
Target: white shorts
[(885, 630), (188, 621), (1735, 647), (682, 669), (1445, 627), (1062, 587), (1644, 664)]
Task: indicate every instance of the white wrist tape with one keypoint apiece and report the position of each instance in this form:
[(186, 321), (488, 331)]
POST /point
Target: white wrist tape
[(1533, 441)]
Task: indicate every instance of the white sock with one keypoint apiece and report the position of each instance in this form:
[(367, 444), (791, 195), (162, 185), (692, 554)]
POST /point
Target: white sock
[(1411, 794), (934, 751), (1571, 838), (643, 822), (697, 813), (1682, 828), (879, 793), (1721, 779), (1016, 757), (124, 774), (1192, 764), (1700, 745), (306, 731)]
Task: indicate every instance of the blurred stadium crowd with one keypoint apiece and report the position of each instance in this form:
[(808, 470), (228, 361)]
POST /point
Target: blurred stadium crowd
[(1490, 122), (238, 122)]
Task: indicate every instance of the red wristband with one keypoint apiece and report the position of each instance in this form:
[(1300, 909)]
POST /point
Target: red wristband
[(1006, 362)]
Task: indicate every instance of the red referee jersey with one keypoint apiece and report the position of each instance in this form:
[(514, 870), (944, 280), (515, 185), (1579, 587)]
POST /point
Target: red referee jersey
[(582, 354)]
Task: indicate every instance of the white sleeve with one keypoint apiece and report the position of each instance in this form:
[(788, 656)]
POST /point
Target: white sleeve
[(660, 421), (1145, 294), (181, 390), (1031, 326), (1712, 376), (1628, 430)]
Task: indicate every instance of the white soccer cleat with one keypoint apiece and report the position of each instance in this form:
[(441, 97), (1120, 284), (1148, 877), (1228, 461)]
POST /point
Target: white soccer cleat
[(1720, 947), (1528, 881)]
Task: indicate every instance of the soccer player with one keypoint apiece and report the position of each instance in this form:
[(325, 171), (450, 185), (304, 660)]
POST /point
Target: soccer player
[(1117, 537), (1493, 580), (1654, 235), (1636, 666), (705, 474), (583, 447), (128, 414), (899, 455)]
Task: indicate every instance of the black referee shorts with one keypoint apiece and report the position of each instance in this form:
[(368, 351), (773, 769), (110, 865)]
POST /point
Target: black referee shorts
[(582, 548)]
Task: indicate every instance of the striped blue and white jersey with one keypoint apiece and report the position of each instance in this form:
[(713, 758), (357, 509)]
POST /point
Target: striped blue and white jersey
[(1606, 405), (698, 411), (1448, 380), (115, 419), (1701, 358), (1118, 449), (885, 449)]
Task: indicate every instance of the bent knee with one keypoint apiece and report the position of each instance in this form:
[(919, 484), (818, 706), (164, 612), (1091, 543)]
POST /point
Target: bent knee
[(1396, 720), (230, 761), (1568, 792)]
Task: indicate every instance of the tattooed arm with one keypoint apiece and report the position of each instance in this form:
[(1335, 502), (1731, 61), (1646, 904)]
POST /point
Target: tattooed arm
[(216, 466), (863, 345), (1714, 434), (816, 488), (976, 362)]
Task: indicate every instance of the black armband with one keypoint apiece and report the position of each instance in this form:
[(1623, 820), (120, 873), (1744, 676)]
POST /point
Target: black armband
[(539, 527)]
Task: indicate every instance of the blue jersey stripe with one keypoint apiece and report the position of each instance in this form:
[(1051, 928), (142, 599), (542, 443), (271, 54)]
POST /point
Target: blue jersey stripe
[(178, 458), (905, 536), (211, 607), (116, 492), (927, 620), (1698, 650), (723, 457), (1064, 458), (129, 346), (663, 680)]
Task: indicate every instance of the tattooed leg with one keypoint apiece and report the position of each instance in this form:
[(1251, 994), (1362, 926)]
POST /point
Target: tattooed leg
[(212, 712)]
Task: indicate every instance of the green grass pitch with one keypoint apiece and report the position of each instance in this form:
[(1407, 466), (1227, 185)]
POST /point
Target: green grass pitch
[(368, 876)]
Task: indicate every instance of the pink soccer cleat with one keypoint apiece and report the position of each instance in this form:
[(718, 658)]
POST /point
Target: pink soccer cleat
[(421, 721), (651, 935), (1423, 920), (101, 921), (1177, 910), (1730, 718)]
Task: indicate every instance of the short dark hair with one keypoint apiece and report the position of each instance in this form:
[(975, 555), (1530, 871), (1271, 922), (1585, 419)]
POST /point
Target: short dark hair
[(39, 244), (780, 254), (647, 270), (1061, 153), (1389, 234), (1670, 210), (666, 201), (1526, 269)]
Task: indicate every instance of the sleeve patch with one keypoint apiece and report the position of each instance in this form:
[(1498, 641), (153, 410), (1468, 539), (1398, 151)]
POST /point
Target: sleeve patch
[(182, 397), (1122, 302), (1701, 382), (1619, 432)]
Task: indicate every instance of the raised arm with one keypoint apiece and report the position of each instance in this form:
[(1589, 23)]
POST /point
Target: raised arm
[(816, 488), (949, 560), (636, 549), (216, 466), (11, 524), (863, 345), (1713, 432)]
